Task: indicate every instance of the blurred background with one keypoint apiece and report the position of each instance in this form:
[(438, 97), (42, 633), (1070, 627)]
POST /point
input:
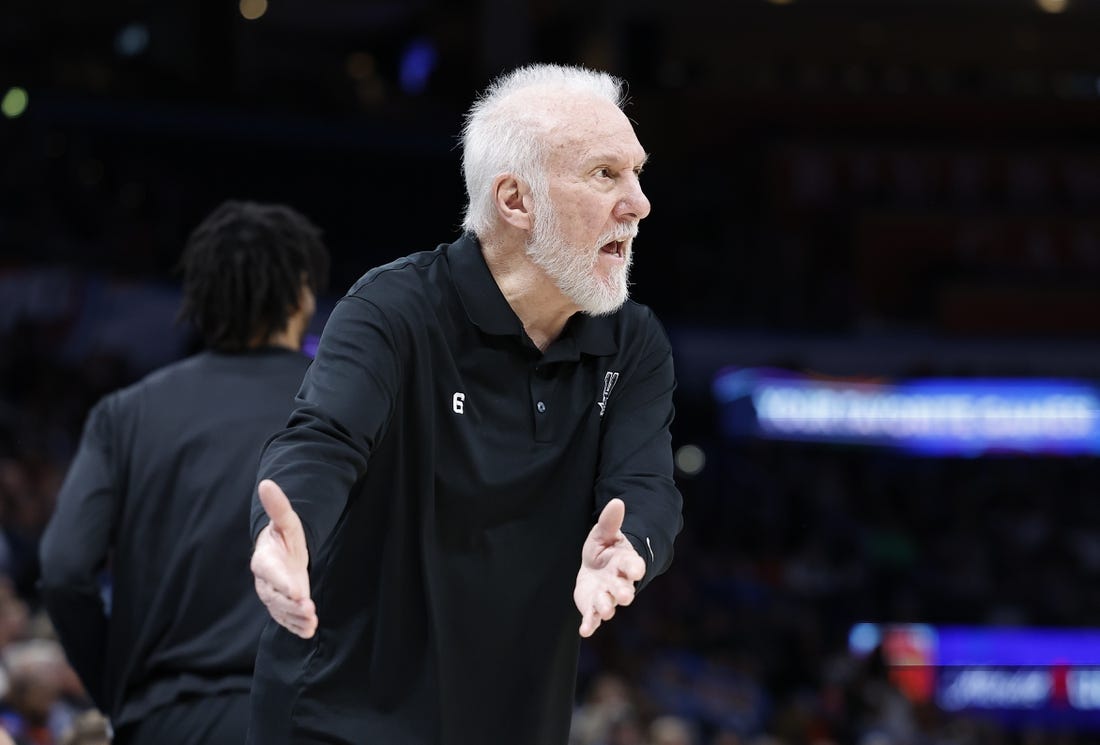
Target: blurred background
[(875, 245)]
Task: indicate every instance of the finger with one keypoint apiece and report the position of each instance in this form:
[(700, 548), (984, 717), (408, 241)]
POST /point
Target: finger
[(277, 506), (610, 522), (270, 576), (630, 565), (589, 623), (298, 616), (304, 625), (622, 592), (297, 622), (605, 605), (279, 604), (304, 628), (269, 564)]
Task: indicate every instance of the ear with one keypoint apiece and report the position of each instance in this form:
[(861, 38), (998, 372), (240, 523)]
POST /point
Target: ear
[(307, 302), (513, 201)]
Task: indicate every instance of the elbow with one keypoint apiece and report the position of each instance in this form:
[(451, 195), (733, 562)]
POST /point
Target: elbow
[(62, 571)]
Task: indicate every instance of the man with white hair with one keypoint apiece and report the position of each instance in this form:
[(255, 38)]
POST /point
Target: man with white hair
[(483, 435)]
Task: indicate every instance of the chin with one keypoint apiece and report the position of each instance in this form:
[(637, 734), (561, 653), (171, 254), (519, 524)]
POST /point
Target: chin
[(605, 303), (601, 312)]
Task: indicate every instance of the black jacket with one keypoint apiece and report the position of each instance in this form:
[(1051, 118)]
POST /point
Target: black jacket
[(158, 495)]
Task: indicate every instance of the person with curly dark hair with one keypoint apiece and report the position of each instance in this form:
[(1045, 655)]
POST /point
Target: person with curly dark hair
[(145, 562)]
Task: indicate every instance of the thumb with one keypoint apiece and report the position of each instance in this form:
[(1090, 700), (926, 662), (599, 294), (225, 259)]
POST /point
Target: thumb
[(611, 521), (276, 505)]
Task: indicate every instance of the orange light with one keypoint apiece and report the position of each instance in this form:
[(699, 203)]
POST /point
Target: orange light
[(253, 9), (1052, 6)]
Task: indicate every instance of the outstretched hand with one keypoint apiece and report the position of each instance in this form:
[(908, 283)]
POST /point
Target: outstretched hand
[(609, 568), (280, 564)]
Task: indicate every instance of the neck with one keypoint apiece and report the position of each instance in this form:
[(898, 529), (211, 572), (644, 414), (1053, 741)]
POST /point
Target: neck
[(289, 337), (532, 295), (286, 339)]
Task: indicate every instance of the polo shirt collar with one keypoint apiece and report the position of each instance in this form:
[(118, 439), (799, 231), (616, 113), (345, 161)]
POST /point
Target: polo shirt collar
[(487, 309), (481, 297)]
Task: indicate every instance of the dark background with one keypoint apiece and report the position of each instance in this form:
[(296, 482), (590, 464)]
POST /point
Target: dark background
[(868, 188)]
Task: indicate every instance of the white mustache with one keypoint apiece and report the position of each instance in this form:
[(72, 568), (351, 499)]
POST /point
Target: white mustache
[(623, 233)]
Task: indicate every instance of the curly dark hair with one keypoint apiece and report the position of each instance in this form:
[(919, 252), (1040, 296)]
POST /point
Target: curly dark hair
[(243, 272)]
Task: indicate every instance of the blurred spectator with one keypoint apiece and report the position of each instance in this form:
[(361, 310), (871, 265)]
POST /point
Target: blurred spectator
[(13, 614), (669, 730), (90, 728), (43, 695), (609, 701)]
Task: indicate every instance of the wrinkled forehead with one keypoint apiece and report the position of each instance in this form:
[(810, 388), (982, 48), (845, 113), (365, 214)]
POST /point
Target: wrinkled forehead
[(576, 125)]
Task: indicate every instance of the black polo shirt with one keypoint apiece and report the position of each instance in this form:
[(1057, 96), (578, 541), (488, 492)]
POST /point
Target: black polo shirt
[(447, 473)]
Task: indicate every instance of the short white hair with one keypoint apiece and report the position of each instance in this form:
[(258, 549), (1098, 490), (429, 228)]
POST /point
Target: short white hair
[(499, 137)]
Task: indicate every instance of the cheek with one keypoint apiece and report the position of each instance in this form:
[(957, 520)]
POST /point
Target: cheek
[(573, 230), (590, 226), (582, 220)]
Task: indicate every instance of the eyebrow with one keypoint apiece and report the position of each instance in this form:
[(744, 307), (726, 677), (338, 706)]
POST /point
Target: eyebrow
[(608, 158)]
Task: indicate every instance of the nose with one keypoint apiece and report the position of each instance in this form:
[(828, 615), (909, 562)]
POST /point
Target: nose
[(635, 204)]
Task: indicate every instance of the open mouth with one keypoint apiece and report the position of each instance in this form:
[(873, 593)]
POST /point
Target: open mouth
[(614, 248)]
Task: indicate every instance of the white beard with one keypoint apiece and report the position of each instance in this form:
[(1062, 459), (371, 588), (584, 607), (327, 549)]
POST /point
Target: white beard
[(574, 269)]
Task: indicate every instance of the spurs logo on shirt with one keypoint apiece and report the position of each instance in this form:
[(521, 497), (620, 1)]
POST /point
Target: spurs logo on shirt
[(609, 381)]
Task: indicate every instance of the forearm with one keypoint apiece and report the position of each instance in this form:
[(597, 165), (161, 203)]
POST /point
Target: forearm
[(74, 549), (636, 460), (344, 405), (652, 523), (316, 466), (79, 617)]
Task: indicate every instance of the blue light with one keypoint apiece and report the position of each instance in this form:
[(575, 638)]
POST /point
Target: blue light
[(938, 416), (863, 638), (309, 345), (132, 40), (417, 64)]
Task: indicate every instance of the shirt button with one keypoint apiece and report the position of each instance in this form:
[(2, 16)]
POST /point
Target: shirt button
[(541, 407)]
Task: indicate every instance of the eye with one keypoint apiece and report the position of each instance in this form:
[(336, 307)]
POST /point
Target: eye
[(604, 172)]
